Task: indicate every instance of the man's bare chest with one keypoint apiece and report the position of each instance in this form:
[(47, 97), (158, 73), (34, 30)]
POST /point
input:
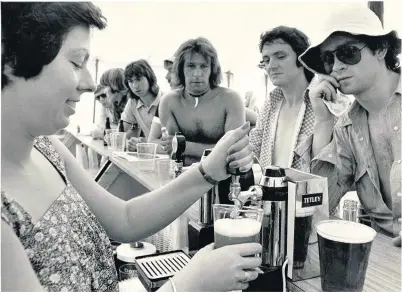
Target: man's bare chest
[(202, 122)]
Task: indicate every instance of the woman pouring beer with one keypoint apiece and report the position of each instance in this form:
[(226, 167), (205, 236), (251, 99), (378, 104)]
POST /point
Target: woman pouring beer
[(55, 219)]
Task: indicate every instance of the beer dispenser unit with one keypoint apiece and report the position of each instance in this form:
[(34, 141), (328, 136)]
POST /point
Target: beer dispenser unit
[(201, 232), (282, 193), (271, 195)]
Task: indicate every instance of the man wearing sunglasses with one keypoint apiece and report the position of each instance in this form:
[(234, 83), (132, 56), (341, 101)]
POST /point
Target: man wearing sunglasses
[(356, 56)]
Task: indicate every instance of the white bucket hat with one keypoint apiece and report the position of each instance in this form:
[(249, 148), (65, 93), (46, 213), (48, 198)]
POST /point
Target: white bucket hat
[(355, 20)]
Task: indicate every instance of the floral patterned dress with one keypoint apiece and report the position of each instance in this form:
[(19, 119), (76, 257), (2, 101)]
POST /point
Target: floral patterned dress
[(68, 248)]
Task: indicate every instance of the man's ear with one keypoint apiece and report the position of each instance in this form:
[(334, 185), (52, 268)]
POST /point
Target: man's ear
[(381, 52)]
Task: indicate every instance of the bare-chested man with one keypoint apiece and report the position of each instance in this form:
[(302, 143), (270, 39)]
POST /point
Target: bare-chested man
[(200, 109), (287, 117)]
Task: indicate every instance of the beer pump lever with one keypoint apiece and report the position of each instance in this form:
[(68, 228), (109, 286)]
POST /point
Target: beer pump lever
[(178, 147)]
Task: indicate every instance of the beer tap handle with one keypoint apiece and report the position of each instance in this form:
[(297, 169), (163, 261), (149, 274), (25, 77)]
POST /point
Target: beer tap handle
[(178, 146), (234, 171)]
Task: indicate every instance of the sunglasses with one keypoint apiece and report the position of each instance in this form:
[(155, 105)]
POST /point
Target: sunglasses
[(100, 96), (347, 54)]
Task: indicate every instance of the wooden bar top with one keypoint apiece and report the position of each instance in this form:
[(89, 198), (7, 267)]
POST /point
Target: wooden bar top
[(95, 145), (147, 179), (383, 271)]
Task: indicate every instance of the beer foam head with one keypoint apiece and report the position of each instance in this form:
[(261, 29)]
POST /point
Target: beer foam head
[(242, 227), (304, 212), (345, 231)]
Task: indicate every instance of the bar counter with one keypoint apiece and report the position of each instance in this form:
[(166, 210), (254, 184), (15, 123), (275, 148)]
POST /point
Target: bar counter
[(383, 271), (384, 268)]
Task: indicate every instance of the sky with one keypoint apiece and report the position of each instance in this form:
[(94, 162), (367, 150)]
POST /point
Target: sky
[(154, 30)]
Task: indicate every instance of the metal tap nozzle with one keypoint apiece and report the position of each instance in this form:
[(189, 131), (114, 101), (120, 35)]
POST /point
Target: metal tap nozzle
[(253, 194), (235, 187)]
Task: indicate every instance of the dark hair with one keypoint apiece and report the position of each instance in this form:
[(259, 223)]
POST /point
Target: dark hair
[(293, 37), (167, 63), (139, 69), (391, 42), (114, 78), (32, 33), (203, 47)]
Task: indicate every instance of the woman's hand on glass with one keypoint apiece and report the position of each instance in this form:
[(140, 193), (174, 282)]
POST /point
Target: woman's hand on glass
[(223, 269)]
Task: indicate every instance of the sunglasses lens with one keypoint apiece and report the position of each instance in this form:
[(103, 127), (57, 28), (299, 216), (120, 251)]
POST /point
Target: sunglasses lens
[(349, 55)]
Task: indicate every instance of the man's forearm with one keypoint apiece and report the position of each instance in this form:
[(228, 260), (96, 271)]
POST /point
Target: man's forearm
[(158, 147), (163, 205), (322, 136), (251, 116)]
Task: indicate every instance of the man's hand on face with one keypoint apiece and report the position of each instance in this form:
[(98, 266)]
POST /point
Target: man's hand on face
[(323, 87)]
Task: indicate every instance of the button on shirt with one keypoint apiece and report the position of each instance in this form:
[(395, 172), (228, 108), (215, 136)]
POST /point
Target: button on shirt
[(138, 112), (349, 160)]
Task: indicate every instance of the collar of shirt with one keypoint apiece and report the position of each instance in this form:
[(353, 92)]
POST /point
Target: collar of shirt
[(277, 95), (357, 112), (154, 103)]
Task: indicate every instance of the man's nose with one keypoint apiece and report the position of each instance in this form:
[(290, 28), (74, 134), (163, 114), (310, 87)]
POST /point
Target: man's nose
[(271, 65), (338, 65), (197, 72)]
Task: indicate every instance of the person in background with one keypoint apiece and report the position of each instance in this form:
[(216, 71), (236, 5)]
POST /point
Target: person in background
[(116, 91), (250, 101), (251, 108), (287, 117), (56, 221), (355, 55), (101, 97), (155, 133), (144, 96), (200, 109), (112, 94), (168, 65)]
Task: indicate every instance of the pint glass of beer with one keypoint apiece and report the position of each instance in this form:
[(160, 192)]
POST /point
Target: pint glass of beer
[(344, 249), (243, 228)]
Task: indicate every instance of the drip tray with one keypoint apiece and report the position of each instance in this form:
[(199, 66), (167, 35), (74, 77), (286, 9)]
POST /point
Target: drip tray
[(154, 270)]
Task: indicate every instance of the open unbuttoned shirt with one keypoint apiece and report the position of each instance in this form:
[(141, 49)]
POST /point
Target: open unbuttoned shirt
[(349, 159), (262, 137)]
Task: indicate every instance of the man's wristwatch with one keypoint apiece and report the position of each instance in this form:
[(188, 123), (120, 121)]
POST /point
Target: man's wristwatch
[(206, 176)]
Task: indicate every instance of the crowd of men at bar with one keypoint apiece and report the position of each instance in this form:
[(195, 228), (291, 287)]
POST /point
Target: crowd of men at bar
[(56, 221)]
